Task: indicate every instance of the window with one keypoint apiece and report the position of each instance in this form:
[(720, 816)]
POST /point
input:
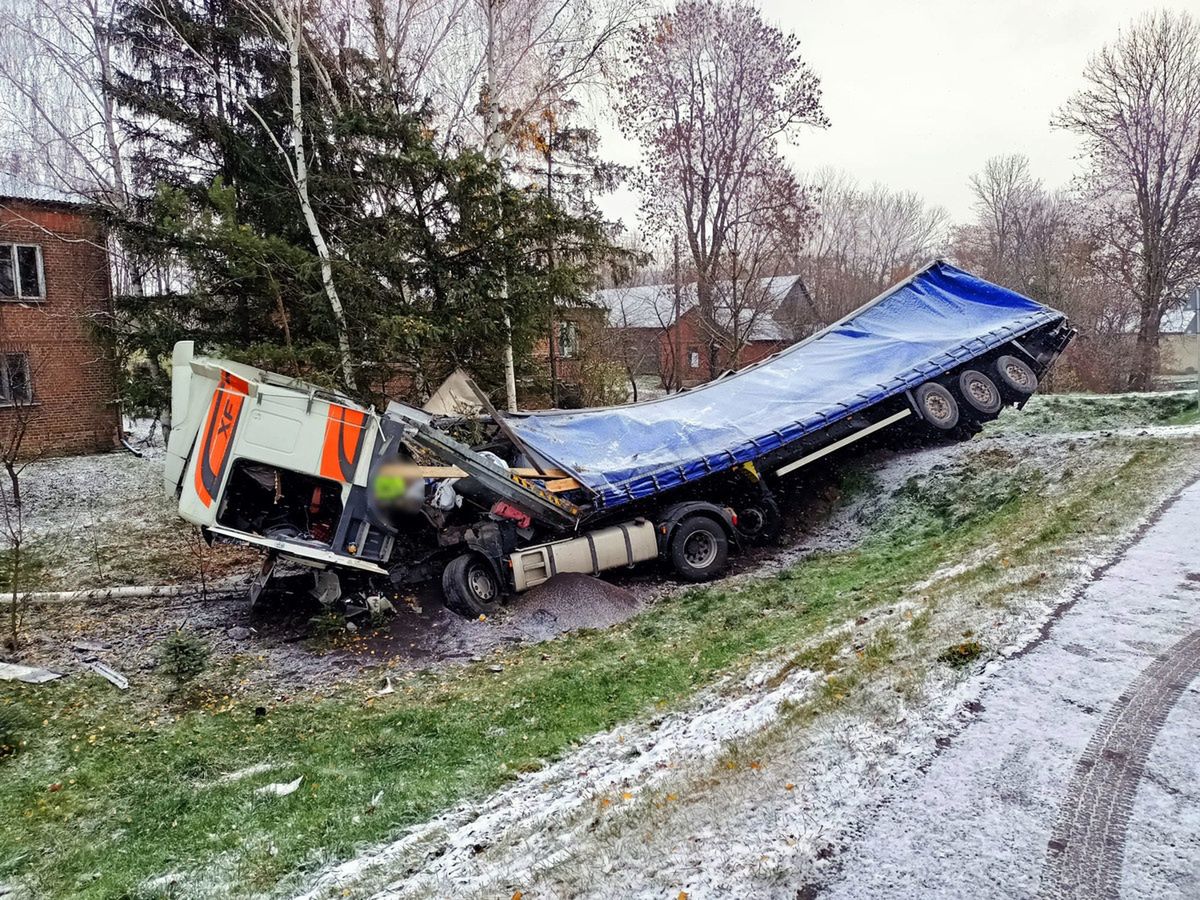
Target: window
[(21, 275), (16, 383), (568, 340), (693, 358)]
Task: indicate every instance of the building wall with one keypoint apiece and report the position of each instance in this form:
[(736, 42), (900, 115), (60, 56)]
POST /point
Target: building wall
[(1178, 354), (685, 336), (74, 391)]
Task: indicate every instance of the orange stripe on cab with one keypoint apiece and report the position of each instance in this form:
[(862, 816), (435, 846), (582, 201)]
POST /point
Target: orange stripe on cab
[(344, 432)]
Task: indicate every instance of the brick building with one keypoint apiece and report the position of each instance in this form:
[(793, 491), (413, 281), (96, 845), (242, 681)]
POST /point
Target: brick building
[(54, 288), (751, 321)]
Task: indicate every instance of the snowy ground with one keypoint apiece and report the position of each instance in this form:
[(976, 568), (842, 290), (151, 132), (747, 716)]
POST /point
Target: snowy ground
[(732, 797), (978, 822)]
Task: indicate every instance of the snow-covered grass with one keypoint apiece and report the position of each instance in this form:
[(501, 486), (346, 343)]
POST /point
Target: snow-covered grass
[(105, 521), (1099, 412), (748, 789), (635, 760)]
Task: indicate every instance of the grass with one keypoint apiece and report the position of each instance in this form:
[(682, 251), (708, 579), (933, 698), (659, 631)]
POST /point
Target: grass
[(1188, 416), (1097, 412), (141, 792)]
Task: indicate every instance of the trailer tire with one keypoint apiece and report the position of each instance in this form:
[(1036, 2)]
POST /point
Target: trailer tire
[(759, 522), (979, 392), (699, 548), (1016, 375), (470, 586), (937, 406)]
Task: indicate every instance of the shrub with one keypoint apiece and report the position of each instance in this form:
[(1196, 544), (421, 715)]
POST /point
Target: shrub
[(962, 654), (12, 724), (182, 657)]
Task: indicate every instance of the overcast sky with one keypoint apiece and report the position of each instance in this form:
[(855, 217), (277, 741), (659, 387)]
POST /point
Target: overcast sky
[(921, 92)]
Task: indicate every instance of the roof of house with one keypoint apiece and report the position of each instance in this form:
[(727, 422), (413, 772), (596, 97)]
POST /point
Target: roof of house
[(18, 187), (1178, 321), (1183, 319), (653, 306)]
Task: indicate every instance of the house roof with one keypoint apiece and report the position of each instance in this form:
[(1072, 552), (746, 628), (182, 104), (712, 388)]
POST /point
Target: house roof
[(18, 187), (653, 306), (1183, 319)]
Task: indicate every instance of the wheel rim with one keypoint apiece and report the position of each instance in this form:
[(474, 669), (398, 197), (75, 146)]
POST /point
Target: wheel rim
[(751, 520), (937, 406), (1017, 375), (981, 392), (700, 549), (482, 585)]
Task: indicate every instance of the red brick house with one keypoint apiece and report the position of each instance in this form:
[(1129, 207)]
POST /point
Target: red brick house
[(771, 313), (54, 289)]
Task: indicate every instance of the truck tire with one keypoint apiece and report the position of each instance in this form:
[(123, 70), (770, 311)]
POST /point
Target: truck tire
[(979, 392), (1016, 375), (759, 522), (699, 548), (470, 586), (937, 406)]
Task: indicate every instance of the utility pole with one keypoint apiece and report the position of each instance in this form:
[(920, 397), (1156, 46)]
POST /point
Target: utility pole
[(676, 375), (1194, 297)]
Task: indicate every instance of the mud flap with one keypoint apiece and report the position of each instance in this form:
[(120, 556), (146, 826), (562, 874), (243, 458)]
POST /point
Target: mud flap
[(327, 587), (263, 575)]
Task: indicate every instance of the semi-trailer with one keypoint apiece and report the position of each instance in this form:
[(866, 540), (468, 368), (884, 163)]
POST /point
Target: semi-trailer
[(376, 500)]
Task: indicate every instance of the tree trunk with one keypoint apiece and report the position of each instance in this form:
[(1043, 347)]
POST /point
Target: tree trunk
[(310, 218), (494, 142)]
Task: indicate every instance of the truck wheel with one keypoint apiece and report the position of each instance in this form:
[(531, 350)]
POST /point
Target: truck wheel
[(1016, 375), (937, 405), (759, 523), (699, 548), (980, 392), (470, 587)]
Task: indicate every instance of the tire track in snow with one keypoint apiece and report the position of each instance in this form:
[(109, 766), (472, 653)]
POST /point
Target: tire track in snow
[(1087, 846)]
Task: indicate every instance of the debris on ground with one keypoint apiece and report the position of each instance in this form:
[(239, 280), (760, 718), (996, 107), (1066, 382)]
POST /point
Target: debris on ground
[(115, 678), (280, 789), (27, 674)]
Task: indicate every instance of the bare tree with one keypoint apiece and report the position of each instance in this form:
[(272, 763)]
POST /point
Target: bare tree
[(1140, 118), (863, 240), (16, 419), (290, 20), (1023, 235), (1005, 195), (59, 120), (765, 224), (712, 92)]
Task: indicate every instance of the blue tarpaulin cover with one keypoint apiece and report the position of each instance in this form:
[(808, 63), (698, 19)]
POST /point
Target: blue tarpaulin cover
[(923, 327)]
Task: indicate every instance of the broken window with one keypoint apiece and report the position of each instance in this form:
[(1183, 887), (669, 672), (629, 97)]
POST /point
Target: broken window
[(16, 383), (21, 275), (279, 503)]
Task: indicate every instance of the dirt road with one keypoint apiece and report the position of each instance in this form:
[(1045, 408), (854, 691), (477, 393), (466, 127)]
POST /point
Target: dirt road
[(1079, 777)]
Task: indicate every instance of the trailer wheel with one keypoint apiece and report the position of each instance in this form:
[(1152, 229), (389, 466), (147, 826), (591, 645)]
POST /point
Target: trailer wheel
[(1016, 375), (980, 392), (470, 586), (937, 406), (759, 522), (699, 548)]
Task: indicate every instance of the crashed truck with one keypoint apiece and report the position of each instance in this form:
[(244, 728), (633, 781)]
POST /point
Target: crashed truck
[(374, 501)]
